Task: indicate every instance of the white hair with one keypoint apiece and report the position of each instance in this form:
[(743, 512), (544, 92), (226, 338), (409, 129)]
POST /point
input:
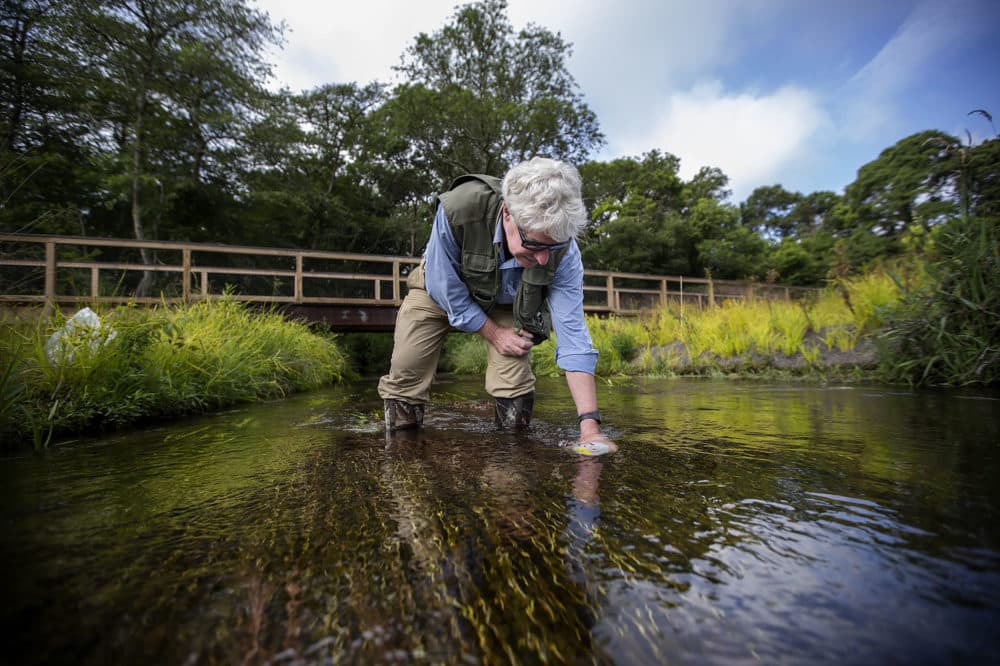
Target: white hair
[(543, 195)]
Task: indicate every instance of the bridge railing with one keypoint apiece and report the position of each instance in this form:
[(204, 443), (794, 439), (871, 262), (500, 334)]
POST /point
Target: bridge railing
[(74, 269)]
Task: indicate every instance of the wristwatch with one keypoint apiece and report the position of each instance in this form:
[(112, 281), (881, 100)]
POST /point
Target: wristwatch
[(596, 415)]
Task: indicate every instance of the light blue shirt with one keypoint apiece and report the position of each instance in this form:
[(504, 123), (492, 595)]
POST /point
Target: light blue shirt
[(442, 265)]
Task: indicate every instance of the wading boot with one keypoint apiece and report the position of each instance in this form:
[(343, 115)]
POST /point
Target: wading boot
[(515, 413), (401, 415)]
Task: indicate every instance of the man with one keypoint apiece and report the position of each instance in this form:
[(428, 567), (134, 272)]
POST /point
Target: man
[(501, 258)]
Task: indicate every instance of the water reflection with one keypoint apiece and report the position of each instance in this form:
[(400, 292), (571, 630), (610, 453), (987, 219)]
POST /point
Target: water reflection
[(484, 532), (739, 522)]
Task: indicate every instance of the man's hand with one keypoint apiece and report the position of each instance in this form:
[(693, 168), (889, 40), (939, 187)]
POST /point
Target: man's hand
[(584, 392), (505, 340), (590, 437)]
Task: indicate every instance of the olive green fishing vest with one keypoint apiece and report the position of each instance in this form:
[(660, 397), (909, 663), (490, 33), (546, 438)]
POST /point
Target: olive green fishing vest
[(472, 206)]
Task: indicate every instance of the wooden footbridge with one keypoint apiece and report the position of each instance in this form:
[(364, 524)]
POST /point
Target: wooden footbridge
[(348, 292)]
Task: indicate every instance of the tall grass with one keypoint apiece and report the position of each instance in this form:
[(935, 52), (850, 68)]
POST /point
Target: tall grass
[(161, 361), (751, 334), (735, 335), (946, 330)]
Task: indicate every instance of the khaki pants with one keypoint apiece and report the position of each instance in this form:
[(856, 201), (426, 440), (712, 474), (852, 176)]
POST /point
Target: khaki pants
[(421, 327)]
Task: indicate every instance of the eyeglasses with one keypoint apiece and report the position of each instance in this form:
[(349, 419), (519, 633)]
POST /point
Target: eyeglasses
[(533, 245)]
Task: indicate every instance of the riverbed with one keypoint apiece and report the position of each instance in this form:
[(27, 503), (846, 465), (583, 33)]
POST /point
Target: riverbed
[(740, 522)]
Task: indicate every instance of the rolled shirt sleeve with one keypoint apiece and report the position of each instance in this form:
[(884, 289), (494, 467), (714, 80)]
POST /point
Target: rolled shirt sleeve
[(442, 262), (574, 347)]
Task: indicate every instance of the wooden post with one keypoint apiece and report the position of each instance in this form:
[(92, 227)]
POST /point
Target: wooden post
[(663, 293), (682, 298), (186, 274), (50, 277), (204, 284), (396, 290), (378, 289), (95, 289), (298, 278), (610, 286)]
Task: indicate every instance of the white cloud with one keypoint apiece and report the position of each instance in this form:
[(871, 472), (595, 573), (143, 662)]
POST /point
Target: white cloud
[(337, 42), (750, 137), (639, 64), (626, 54), (643, 45)]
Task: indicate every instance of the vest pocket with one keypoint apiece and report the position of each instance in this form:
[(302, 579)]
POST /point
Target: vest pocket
[(479, 263), (480, 274)]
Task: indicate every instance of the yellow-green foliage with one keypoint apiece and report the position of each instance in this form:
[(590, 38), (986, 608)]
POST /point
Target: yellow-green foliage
[(617, 340), (223, 349), (748, 328), (543, 361), (869, 297), (733, 329), (790, 322), (465, 354), (159, 361)]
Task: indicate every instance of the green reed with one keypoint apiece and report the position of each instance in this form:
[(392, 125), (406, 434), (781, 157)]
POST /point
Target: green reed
[(946, 330), (737, 335), (162, 361)]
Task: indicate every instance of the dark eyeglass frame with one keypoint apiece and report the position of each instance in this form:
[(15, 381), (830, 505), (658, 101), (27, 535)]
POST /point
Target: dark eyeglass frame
[(533, 245)]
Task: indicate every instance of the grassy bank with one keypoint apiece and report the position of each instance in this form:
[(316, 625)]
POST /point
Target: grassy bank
[(148, 363), (826, 336)]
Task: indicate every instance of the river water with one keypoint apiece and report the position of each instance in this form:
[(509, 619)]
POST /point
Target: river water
[(741, 522)]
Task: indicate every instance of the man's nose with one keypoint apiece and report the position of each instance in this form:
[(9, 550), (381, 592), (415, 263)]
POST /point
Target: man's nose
[(542, 257)]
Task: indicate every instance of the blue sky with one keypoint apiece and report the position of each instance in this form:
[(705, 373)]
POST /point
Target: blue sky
[(796, 92)]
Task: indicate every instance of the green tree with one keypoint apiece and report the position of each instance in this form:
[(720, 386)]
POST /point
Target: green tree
[(172, 78), (812, 211), (645, 219), (801, 261), (768, 211), (45, 150), (905, 185), (481, 96), (799, 224), (608, 185), (321, 175), (631, 201), (726, 248), (708, 183)]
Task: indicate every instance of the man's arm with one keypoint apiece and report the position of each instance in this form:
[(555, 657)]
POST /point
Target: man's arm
[(583, 388), (443, 282), (574, 348), (575, 353)]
